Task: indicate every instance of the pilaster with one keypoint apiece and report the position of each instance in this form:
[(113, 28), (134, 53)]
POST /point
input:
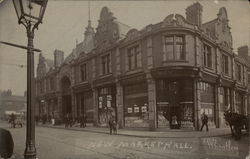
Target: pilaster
[(197, 103), (151, 102), (119, 104)]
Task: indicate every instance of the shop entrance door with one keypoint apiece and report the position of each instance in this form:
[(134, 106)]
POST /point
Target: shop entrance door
[(66, 105), (174, 106)]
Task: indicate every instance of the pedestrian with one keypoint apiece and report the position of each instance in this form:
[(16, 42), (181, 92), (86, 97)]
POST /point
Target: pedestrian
[(84, 120), (12, 120), (114, 126), (66, 118), (111, 121), (204, 120)]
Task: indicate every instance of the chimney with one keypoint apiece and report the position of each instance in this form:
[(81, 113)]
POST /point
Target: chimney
[(58, 58), (194, 14), (243, 52)]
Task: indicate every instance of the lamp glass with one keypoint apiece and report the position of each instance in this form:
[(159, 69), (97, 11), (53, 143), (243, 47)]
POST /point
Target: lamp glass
[(17, 5)]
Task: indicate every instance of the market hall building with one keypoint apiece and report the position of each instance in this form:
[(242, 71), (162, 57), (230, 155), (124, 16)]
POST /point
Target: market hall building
[(170, 71)]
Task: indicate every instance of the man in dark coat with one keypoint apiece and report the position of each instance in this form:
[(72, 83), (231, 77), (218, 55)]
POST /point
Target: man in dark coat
[(204, 120), (6, 144)]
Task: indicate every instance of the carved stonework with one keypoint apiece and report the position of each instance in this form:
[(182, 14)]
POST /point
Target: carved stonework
[(132, 34), (168, 20), (176, 20), (223, 33)]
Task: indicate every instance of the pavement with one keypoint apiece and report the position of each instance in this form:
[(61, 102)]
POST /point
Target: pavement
[(158, 133)]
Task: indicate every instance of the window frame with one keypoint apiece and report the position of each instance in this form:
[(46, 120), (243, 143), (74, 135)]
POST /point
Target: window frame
[(85, 72), (174, 44), (207, 55), (133, 57), (106, 64), (225, 68)]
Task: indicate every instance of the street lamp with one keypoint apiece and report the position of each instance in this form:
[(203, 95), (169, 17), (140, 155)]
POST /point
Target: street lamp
[(30, 14)]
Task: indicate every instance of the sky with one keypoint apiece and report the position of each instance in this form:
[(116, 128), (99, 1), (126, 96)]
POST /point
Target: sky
[(64, 24)]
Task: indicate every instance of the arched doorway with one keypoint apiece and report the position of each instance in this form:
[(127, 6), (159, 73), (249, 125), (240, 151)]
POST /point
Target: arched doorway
[(66, 96)]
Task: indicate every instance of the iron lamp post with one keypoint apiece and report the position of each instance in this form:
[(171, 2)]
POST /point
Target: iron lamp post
[(30, 14)]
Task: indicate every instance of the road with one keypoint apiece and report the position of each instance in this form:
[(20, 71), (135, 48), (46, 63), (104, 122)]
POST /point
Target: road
[(52, 143)]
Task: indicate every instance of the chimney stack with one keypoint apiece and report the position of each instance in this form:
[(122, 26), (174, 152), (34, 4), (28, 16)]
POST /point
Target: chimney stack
[(194, 14)]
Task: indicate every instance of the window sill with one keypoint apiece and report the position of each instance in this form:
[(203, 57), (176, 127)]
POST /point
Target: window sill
[(173, 61), (133, 71), (106, 75), (208, 68)]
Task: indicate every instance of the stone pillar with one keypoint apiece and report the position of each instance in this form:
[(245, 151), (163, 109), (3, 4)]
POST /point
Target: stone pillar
[(233, 98), (197, 103), (151, 103), (59, 106), (95, 106), (218, 101), (119, 104), (73, 105), (245, 104)]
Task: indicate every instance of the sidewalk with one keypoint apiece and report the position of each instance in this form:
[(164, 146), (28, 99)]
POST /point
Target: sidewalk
[(159, 133)]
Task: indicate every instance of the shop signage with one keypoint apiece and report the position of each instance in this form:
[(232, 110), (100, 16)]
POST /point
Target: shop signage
[(100, 99), (108, 103), (144, 109), (130, 110), (109, 97), (136, 109)]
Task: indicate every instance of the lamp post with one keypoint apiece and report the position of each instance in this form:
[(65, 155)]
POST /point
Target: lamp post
[(30, 14)]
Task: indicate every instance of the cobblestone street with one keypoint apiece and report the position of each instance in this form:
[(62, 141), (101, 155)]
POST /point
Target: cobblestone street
[(75, 144)]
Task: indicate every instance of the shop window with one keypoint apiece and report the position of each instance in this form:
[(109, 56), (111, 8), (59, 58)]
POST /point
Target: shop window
[(83, 72), (225, 64), (134, 58), (238, 72), (106, 64), (207, 56), (174, 47)]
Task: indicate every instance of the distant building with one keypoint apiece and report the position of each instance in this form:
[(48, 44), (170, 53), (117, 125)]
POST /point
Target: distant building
[(9, 103), (175, 69)]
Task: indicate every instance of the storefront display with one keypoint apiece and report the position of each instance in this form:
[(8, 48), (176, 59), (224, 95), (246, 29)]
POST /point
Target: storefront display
[(106, 104), (135, 105), (175, 103)]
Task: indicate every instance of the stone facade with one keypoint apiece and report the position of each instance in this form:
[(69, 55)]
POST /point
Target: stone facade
[(173, 70)]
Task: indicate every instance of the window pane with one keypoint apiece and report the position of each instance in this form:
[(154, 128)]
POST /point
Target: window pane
[(179, 39), (170, 51), (169, 39), (179, 52)]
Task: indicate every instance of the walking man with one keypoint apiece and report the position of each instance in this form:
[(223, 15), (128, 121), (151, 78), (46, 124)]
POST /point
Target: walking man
[(204, 120), (111, 122)]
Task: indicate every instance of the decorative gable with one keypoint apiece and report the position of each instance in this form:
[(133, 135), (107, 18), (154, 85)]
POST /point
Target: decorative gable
[(222, 29), (176, 20), (109, 30)]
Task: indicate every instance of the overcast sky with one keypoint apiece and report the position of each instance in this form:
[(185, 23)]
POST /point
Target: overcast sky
[(65, 21)]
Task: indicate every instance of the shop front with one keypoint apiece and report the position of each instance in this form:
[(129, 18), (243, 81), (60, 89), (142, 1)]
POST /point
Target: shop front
[(136, 105), (84, 105), (106, 104), (175, 107)]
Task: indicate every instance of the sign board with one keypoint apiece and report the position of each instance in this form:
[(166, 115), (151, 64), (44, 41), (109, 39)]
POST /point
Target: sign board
[(136, 109), (130, 110), (109, 97)]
